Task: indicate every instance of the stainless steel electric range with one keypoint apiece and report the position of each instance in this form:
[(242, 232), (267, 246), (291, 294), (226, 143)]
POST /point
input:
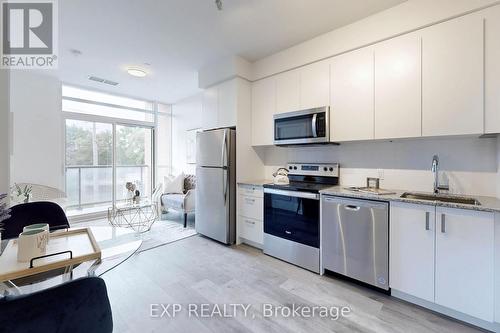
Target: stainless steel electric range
[(292, 214)]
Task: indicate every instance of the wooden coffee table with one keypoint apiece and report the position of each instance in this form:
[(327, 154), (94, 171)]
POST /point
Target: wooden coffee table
[(116, 244)]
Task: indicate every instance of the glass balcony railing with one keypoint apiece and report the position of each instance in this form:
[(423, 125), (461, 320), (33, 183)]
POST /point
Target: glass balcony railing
[(92, 186)]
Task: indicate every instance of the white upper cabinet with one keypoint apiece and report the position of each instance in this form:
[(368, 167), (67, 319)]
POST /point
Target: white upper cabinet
[(220, 105), (315, 85), (263, 109), (210, 106), (411, 247), (492, 70), (452, 82), (304, 88), (288, 91), (352, 88), (464, 261), (227, 103), (398, 74)]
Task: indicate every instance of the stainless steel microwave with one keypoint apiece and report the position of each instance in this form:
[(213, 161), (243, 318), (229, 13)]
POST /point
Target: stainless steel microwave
[(302, 127)]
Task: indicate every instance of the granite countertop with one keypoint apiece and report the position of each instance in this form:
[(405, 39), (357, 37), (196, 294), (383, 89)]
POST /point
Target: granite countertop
[(258, 182), (488, 204)]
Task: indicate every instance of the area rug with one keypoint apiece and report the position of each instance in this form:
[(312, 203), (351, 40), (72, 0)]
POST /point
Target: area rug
[(170, 228)]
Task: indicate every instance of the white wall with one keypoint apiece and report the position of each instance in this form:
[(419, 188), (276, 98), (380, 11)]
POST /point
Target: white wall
[(223, 70), (186, 115), (4, 131), (408, 16), (249, 165), (498, 168), (469, 165), (35, 102)]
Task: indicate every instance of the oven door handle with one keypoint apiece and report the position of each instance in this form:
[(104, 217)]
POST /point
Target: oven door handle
[(294, 194)]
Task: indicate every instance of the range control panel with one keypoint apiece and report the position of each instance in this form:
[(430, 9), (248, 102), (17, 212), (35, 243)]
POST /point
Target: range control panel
[(316, 169)]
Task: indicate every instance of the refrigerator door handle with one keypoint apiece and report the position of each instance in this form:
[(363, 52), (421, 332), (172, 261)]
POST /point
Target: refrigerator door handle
[(224, 167), (224, 144)]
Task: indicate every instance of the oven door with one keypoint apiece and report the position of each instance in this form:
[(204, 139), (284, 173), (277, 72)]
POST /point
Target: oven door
[(301, 127), (292, 215)]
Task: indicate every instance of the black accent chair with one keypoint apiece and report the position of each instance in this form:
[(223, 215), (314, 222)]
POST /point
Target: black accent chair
[(34, 212), (78, 306)]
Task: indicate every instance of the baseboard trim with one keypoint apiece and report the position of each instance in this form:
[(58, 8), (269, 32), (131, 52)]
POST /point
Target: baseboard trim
[(251, 243), (494, 327), (87, 217)]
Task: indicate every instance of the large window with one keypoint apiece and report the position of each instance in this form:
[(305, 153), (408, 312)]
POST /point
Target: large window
[(111, 141), (89, 102), (89, 163)]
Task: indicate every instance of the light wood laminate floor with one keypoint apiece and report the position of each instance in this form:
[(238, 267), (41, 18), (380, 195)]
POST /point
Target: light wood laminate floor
[(198, 270)]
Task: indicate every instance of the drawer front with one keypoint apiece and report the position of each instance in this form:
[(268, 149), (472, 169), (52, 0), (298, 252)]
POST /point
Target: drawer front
[(251, 207), (251, 230), (251, 190)]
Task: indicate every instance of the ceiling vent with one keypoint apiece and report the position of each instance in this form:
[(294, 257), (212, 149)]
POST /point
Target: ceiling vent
[(101, 80)]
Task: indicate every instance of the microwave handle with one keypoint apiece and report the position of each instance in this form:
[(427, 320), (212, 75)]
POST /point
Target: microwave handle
[(314, 120)]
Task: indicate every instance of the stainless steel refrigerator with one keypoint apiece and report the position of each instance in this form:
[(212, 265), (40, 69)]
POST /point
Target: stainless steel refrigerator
[(216, 184)]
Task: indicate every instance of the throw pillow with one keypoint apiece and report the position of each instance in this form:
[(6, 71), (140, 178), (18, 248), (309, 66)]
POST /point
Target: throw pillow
[(175, 185)]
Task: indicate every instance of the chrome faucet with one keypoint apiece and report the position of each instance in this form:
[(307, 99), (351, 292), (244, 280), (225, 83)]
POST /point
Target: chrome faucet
[(435, 172)]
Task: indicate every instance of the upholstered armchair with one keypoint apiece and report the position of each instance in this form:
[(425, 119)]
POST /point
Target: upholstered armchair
[(184, 203)]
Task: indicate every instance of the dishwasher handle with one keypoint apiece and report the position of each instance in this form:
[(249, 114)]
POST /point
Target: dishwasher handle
[(353, 203), (352, 208)]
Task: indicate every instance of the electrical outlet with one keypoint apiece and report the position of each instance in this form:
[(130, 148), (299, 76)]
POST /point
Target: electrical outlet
[(380, 174)]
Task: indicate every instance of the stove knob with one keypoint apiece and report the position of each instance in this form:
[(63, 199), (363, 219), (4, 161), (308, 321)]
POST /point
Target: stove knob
[(294, 168), (290, 167), (325, 169), (331, 169)]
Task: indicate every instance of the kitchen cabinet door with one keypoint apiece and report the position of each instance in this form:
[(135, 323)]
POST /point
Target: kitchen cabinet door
[(492, 70), (263, 109), (452, 77), (464, 261), (411, 244), (210, 108), (398, 76), (226, 106), (288, 91), (315, 85), (351, 113)]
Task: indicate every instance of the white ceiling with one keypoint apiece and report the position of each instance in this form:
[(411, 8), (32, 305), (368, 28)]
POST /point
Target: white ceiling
[(178, 37)]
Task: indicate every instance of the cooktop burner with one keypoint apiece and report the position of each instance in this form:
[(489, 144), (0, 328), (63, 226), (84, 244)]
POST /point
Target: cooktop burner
[(300, 186), (309, 177)]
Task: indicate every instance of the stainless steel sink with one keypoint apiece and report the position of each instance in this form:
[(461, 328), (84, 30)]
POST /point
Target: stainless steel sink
[(441, 197)]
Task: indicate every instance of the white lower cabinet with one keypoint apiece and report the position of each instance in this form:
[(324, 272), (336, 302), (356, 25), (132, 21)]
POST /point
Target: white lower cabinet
[(252, 230), (251, 207), (444, 256), (412, 244), (465, 261), (251, 214)]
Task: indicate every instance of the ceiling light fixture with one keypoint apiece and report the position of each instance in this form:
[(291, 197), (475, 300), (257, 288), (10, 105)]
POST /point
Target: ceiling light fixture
[(137, 72), (219, 4)]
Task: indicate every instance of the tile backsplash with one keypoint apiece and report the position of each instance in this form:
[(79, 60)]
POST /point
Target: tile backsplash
[(467, 165)]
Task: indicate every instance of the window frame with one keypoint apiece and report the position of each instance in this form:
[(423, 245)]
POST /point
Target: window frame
[(153, 125)]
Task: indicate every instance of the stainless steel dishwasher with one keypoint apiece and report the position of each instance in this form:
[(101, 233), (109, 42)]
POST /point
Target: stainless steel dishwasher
[(355, 239)]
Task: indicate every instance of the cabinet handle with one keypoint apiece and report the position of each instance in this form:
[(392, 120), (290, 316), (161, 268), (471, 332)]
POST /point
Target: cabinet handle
[(443, 223), (288, 232), (249, 200), (250, 222), (427, 223)]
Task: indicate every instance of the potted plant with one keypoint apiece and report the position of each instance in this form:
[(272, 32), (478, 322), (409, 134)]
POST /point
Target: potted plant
[(21, 194), (4, 211)]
